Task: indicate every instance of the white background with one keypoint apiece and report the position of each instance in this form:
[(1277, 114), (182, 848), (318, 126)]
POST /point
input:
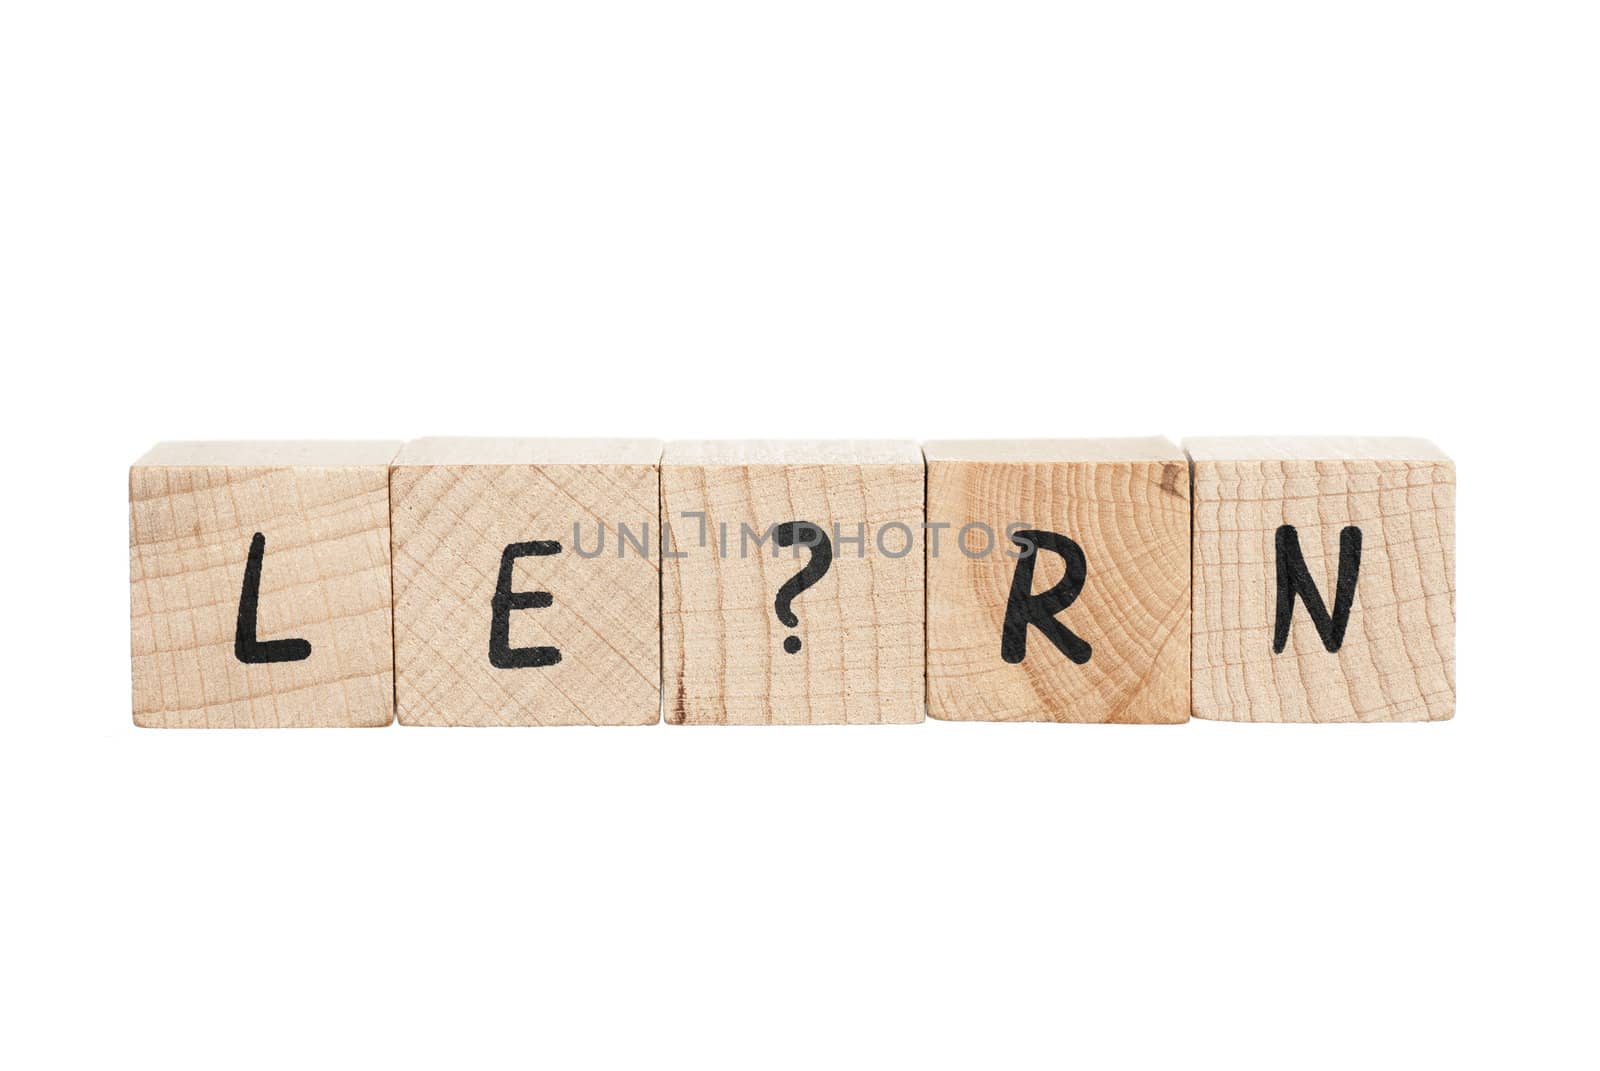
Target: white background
[(823, 219)]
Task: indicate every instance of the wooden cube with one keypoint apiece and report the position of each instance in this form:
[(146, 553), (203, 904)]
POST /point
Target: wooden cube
[(260, 584), (527, 587), (1058, 580), (792, 582), (1324, 580)]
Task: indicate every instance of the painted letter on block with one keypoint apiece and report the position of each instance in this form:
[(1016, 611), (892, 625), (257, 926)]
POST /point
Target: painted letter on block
[(527, 589), (1324, 580), (260, 576), (1078, 610)]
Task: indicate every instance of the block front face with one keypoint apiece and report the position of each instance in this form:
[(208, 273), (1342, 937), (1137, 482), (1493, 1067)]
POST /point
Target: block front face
[(1367, 528), (1124, 507), (482, 525), (857, 636), (316, 649)]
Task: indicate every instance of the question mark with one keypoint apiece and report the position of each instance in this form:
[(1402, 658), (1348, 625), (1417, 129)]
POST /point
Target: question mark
[(788, 534)]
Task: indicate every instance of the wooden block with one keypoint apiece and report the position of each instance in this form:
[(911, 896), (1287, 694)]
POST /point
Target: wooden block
[(1093, 625), (260, 576), (848, 648), (1324, 580), (527, 588)]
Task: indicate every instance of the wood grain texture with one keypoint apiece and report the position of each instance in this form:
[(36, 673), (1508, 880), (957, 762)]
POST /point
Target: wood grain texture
[(323, 509), (861, 624), (1397, 659), (1125, 502), (458, 503)]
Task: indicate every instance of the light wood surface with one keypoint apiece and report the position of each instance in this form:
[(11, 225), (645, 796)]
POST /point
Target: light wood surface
[(1047, 451), (486, 451), (1396, 661), (240, 453), (860, 626), (458, 504), (1125, 503), (323, 512), (1312, 448), (853, 452)]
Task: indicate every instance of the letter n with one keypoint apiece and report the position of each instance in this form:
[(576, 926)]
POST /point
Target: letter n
[(1295, 579)]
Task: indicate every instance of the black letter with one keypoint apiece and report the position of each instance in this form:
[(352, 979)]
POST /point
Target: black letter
[(1295, 579), (501, 654), (246, 648), (1024, 609)]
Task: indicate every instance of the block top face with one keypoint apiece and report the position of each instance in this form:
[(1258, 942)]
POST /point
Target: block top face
[(472, 451), (740, 452), (1312, 448), (1050, 451), (268, 454)]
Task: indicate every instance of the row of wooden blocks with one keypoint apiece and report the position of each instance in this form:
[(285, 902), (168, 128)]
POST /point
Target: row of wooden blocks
[(574, 582)]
